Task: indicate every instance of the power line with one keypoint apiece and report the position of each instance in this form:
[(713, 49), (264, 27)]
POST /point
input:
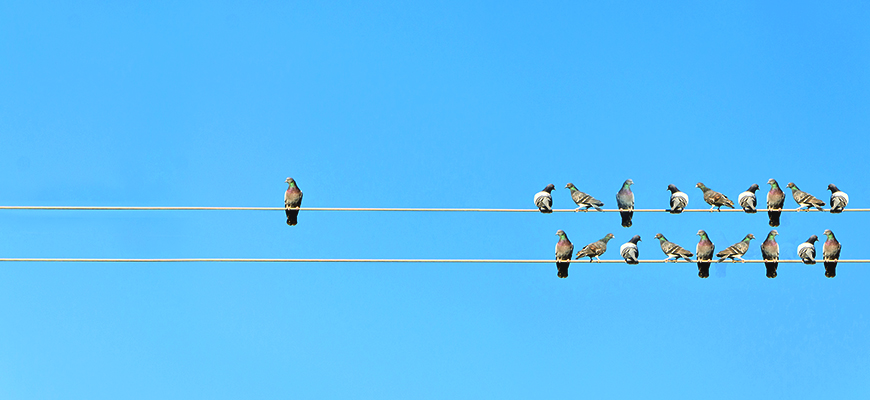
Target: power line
[(373, 260), (157, 208)]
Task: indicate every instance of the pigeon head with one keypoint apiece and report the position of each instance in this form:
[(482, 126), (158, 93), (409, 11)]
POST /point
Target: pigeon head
[(829, 234), (792, 186), (569, 185), (701, 233), (635, 239), (772, 233), (753, 188), (290, 181), (549, 188), (659, 236), (749, 237), (701, 186), (560, 233), (833, 188), (673, 188), (813, 239), (772, 182), (608, 237)]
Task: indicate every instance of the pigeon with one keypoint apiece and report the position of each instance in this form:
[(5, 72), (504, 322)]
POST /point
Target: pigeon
[(838, 199), (807, 250), (625, 201), (594, 249), (583, 199), (704, 253), (292, 201), (775, 201), (679, 200), (770, 253), (747, 200), (673, 249), (544, 201), (564, 249), (736, 250), (628, 251), (804, 199), (831, 253), (714, 198)]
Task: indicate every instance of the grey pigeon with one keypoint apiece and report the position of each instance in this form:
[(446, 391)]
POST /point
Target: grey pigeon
[(628, 251), (292, 201), (564, 249), (672, 249), (804, 199), (770, 253), (679, 200), (831, 254), (736, 250), (583, 199), (594, 249), (543, 199), (704, 253), (807, 250), (775, 201), (747, 200), (839, 199), (625, 201), (714, 198)]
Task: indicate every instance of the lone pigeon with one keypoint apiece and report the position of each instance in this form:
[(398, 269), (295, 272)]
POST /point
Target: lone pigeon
[(831, 254), (804, 199), (770, 253), (775, 201), (594, 249), (714, 198), (583, 199), (625, 201), (628, 251), (543, 199), (736, 250), (564, 249), (747, 200), (838, 199), (673, 249), (807, 250), (705, 254), (679, 200), (292, 201)]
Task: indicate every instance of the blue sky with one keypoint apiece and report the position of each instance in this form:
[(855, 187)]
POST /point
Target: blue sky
[(449, 104)]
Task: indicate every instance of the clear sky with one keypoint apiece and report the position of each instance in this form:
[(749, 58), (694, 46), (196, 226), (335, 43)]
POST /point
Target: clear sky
[(438, 104)]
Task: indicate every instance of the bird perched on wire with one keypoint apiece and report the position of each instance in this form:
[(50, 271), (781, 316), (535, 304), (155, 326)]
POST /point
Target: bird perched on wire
[(736, 250), (804, 199), (625, 201), (770, 253), (775, 201), (564, 249), (543, 199), (679, 200), (628, 251), (839, 199), (704, 253), (714, 198), (831, 254), (807, 250), (583, 199), (292, 201), (672, 249), (594, 249), (747, 199)]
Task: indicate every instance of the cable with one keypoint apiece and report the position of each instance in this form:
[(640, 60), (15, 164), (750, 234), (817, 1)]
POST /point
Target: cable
[(370, 260), (137, 208)]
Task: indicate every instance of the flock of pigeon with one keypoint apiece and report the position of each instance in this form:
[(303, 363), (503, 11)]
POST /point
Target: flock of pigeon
[(705, 248)]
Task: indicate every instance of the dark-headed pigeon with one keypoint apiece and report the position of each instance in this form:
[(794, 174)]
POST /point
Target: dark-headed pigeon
[(673, 249), (714, 198), (736, 250), (543, 199), (831, 254), (704, 252), (625, 201), (747, 199), (564, 249), (770, 253), (594, 249), (292, 201), (679, 200), (628, 251), (804, 199), (583, 199), (807, 250), (775, 201), (838, 199)]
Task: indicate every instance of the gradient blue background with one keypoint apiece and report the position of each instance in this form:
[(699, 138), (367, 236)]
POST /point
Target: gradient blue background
[(441, 104)]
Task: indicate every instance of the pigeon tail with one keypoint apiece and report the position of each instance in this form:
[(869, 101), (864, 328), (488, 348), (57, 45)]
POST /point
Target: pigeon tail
[(703, 269), (626, 218), (563, 269), (830, 269), (774, 217), (771, 269), (291, 217)]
